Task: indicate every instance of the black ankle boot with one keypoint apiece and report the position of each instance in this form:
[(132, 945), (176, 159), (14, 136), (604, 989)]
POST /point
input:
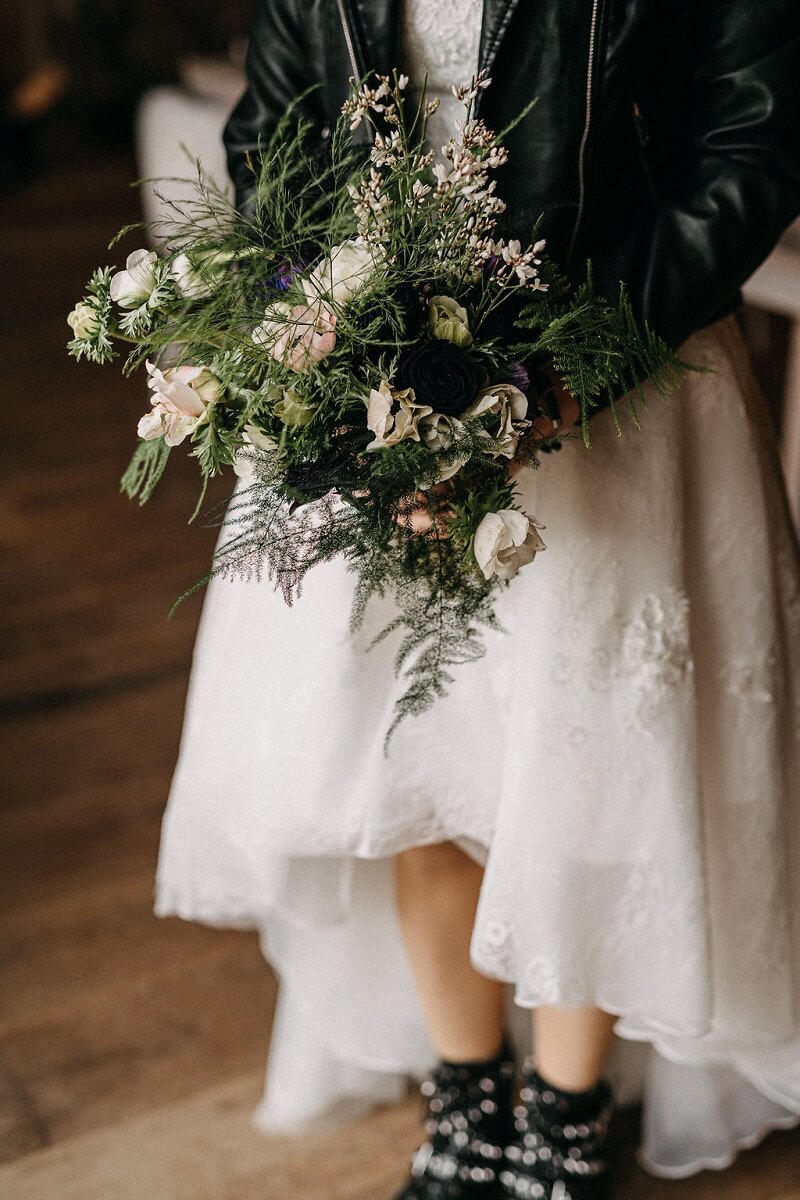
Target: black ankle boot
[(557, 1152), (468, 1123)]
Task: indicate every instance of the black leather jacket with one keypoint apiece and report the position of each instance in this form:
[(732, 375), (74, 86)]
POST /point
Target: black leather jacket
[(665, 145)]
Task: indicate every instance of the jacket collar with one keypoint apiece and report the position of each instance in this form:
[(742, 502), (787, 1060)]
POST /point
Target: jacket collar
[(377, 27)]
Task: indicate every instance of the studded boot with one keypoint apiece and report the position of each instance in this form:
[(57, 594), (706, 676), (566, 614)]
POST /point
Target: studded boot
[(468, 1123), (558, 1149)]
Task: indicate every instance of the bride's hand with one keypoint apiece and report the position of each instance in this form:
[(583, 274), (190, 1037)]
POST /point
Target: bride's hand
[(418, 519), (569, 415)]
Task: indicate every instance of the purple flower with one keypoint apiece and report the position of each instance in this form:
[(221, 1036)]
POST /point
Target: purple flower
[(518, 375)]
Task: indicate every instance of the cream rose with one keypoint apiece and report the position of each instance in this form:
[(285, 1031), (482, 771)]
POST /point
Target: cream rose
[(448, 321), (180, 398), (510, 406), (83, 320), (505, 541), (393, 416), (134, 285), (342, 274)]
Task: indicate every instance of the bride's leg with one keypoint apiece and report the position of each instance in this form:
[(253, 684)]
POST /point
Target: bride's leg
[(572, 1045), (437, 895)]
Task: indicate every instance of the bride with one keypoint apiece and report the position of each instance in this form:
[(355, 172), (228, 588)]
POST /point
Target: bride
[(604, 813)]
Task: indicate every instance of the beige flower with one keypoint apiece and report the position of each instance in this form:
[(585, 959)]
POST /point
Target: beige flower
[(393, 416), (509, 405), (505, 541), (448, 321), (180, 398)]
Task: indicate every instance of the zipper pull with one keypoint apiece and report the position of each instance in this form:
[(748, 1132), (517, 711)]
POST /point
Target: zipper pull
[(642, 131)]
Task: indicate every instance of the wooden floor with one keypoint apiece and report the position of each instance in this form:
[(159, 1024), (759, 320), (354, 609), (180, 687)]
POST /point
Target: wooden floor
[(132, 1050)]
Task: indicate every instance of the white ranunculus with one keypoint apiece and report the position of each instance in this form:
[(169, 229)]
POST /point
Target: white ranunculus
[(343, 273), (505, 541), (84, 320), (509, 405), (393, 416), (134, 285), (449, 321)]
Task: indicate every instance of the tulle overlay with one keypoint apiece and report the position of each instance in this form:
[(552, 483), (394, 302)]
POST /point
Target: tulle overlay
[(624, 759)]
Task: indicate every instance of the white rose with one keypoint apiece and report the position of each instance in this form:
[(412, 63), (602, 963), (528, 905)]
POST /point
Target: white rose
[(134, 285), (343, 273), (510, 406), (505, 541), (83, 320), (393, 416), (448, 321)]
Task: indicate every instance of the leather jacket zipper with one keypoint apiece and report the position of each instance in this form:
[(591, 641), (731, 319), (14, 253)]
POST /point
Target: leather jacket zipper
[(586, 130), (347, 30)]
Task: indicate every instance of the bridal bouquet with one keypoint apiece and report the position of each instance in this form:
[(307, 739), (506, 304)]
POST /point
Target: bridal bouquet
[(361, 346)]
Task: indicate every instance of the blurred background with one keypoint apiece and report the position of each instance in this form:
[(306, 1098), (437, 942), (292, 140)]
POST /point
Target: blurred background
[(132, 1050)]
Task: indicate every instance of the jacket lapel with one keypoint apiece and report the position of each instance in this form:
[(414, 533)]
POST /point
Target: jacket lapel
[(497, 16)]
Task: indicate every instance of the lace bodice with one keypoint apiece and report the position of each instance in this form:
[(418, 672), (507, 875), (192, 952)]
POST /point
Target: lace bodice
[(442, 37)]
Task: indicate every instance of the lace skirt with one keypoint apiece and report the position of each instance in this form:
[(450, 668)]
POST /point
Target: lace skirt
[(624, 759)]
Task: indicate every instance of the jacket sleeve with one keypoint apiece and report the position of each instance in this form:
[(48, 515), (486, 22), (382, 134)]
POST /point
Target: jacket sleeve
[(277, 72), (740, 185)]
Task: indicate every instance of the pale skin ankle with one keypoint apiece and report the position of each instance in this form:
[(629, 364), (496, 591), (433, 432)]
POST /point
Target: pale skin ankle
[(572, 1045), (437, 889)]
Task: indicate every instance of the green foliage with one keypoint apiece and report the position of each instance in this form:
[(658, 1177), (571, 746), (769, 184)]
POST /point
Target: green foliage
[(144, 470)]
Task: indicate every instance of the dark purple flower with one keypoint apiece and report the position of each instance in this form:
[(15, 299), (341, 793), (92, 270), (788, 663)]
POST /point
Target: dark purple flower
[(441, 375), (518, 375)]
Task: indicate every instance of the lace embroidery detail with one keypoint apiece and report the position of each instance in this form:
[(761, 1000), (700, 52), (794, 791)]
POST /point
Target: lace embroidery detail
[(442, 37)]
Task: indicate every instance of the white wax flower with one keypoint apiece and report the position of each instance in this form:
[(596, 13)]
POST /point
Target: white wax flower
[(393, 416), (449, 321), (342, 274), (83, 320), (505, 541), (134, 285), (180, 398)]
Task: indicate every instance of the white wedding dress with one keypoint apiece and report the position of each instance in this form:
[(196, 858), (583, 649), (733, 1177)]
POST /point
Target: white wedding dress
[(624, 759)]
